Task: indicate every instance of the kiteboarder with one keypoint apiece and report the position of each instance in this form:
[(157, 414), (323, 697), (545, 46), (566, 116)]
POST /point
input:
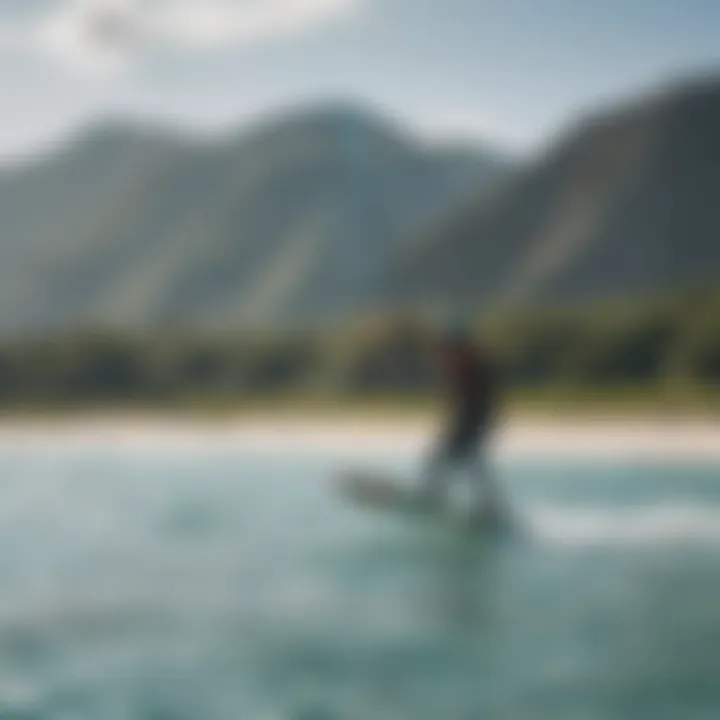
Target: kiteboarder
[(470, 380)]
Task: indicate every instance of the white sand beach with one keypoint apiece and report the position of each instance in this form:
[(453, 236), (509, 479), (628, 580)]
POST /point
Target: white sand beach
[(657, 438)]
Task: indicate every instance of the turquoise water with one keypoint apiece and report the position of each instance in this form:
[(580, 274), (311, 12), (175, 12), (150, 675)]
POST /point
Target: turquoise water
[(173, 583)]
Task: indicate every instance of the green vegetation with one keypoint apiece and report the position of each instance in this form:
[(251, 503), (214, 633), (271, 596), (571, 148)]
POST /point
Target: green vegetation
[(661, 354)]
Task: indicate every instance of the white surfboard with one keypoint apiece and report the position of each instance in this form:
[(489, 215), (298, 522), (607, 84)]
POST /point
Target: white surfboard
[(383, 493)]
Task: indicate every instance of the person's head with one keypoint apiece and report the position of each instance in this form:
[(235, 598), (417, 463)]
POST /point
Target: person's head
[(454, 340)]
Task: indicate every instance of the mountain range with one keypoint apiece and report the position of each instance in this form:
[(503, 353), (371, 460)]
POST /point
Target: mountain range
[(292, 221), (328, 211), (625, 204)]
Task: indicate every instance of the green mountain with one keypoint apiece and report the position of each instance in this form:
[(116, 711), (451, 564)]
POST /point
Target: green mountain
[(293, 221), (626, 203)]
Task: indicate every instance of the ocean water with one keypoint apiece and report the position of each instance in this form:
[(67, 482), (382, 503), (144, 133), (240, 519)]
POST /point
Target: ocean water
[(173, 582)]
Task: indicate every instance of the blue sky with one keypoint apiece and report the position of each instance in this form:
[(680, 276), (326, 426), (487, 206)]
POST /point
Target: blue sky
[(510, 72)]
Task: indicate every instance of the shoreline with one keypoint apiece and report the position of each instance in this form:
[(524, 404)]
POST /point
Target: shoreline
[(533, 434)]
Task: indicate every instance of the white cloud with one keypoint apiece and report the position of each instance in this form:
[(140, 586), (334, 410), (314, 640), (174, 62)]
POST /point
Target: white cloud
[(209, 23), (108, 35), (94, 35)]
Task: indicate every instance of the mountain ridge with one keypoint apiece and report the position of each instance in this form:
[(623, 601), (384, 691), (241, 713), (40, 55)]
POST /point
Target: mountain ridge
[(286, 222), (622, 204)]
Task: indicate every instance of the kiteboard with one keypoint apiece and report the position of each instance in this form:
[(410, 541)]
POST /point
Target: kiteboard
[(374, 491)]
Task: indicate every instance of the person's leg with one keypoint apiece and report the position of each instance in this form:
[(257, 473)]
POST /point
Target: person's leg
[(438, 471), (436, 479), (488, 495), (479, 475)]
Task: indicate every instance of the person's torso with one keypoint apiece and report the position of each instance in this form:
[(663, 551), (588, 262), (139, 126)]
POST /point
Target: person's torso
[(471, 385)]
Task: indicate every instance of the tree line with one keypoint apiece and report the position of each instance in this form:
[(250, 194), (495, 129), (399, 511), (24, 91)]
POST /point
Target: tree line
[(622, 345)]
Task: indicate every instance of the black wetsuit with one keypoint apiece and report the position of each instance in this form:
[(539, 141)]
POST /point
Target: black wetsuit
[(473, 392), (472, 400)]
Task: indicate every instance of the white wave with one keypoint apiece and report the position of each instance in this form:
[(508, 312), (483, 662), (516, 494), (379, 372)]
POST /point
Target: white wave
[(649, 525)]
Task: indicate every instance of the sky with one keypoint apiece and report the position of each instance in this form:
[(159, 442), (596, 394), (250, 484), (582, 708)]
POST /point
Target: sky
[(506, 72)]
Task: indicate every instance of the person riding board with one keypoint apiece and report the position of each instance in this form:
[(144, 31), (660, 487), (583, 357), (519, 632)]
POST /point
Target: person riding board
[(471, 386)]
